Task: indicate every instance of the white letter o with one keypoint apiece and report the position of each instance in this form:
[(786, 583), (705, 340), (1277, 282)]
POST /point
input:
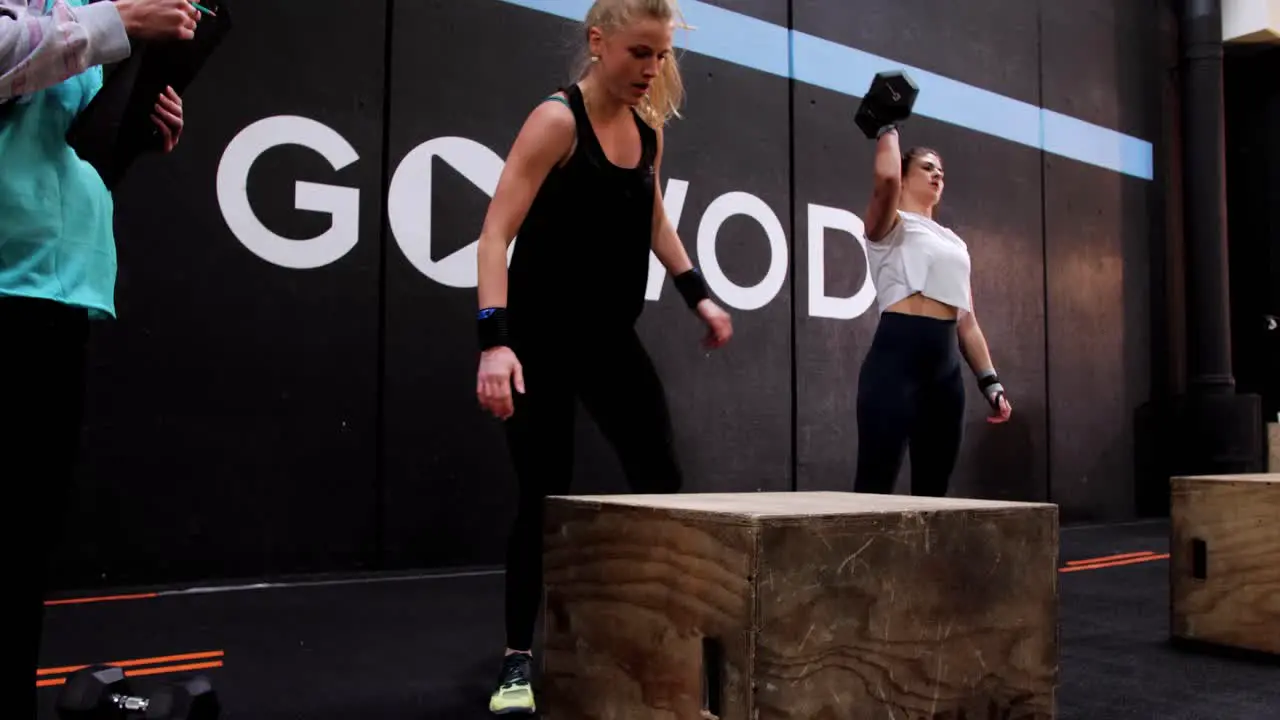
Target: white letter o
[(724, 207)]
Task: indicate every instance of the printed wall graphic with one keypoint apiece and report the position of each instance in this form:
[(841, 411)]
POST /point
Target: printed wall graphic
[(411, 209), (290, 384), (340, 204)]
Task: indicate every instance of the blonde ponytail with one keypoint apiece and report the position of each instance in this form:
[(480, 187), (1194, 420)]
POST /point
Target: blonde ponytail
[(666, 93)]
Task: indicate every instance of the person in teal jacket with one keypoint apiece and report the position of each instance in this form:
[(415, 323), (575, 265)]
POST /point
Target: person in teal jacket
[(57, 262)]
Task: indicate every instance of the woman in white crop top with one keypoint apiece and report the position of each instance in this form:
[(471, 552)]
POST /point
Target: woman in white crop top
[(911, 387)]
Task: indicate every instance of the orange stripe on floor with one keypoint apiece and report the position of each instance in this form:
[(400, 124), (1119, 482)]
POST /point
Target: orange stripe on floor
[(1108, 558), (1115, 563), (189, 667), (139, 666), (161, 670), (101, 598), (136, 662)]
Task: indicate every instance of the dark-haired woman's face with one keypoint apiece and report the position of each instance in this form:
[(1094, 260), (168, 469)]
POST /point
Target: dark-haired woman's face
[(924, 179)]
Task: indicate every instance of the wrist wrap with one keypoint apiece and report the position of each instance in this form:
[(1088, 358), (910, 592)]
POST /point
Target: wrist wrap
[(691, 286), (492, 326), (989, 384)]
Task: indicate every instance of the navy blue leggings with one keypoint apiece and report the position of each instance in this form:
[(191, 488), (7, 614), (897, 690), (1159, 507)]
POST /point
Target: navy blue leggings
[(910, 392)]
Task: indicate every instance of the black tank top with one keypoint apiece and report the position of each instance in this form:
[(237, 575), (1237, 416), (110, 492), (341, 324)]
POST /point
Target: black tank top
[(581, 258)]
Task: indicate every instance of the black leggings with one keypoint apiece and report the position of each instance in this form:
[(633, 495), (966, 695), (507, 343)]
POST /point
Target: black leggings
[(42, 366), (616, 382), (910, 389)]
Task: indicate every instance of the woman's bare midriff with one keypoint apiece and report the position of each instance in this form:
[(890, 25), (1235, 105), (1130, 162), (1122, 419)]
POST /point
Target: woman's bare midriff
[(918, 304)]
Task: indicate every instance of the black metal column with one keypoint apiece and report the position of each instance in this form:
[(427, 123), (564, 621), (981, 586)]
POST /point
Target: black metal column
[(1205, 202), (1222, 431)]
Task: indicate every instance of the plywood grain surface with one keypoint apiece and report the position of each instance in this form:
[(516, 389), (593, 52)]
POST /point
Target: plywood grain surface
[(1225, 560), (814, 606)]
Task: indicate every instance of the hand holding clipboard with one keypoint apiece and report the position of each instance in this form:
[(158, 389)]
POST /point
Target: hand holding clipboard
[(159, 19), (120, 123)]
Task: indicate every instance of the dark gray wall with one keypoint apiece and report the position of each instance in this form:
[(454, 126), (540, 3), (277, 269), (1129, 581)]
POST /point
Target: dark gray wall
[(992, 200), (232, 408), (253, 416), (1098, 62), (448, 481)]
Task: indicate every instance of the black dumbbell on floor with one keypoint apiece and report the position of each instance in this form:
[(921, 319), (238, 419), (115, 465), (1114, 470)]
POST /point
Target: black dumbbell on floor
[(888, 101), (101, 692)]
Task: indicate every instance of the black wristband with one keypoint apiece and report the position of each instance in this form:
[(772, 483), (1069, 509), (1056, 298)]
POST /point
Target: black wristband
[(492, 324), (691, 286), (986, 382)]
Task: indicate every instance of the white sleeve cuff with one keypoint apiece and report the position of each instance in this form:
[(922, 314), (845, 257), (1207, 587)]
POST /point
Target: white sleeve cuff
[(108, 41)]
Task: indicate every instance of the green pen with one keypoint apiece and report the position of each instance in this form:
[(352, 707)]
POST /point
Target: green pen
[(204, 9)]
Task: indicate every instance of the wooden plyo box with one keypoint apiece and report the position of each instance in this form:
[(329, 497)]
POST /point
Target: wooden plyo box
[(815, 605), (1224, 556)]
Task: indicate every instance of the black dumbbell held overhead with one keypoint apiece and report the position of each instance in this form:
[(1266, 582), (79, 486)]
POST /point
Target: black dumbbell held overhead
[(888, 102), (101, 692)]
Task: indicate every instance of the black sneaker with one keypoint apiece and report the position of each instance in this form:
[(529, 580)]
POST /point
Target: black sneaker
[(514, 694)]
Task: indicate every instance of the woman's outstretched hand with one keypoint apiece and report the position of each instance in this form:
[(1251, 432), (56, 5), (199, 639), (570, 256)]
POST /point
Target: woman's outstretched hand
[(719, 325), (499, 370), (1002, 411)]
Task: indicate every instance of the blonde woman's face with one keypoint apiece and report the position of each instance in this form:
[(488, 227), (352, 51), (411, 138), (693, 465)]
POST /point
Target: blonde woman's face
[(631, 57)]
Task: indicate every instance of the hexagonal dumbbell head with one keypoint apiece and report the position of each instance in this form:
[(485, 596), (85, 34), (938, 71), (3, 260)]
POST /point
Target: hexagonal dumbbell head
[(890, 99), (91, 693), (193, 699), (204, 701)]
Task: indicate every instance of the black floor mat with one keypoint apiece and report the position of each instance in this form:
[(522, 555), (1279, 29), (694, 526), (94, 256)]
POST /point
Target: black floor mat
[(427, 648), (1115, 656)]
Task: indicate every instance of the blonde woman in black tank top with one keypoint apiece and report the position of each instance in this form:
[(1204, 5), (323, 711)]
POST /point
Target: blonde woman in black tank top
[(581, 190)]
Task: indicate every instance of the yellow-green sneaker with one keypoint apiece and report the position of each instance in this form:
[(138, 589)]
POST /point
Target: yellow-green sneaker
[(514, 694)]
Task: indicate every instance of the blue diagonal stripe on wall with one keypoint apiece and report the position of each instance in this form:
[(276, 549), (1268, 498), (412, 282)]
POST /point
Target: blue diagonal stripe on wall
[(764, 46)]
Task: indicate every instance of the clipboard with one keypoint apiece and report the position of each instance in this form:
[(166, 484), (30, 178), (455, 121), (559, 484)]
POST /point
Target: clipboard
[(116, 127)]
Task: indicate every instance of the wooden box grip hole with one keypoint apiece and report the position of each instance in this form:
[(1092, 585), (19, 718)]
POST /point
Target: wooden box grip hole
[(712, 666)]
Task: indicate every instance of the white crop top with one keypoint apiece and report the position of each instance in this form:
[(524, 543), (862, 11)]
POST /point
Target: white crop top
[(920, 256)]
